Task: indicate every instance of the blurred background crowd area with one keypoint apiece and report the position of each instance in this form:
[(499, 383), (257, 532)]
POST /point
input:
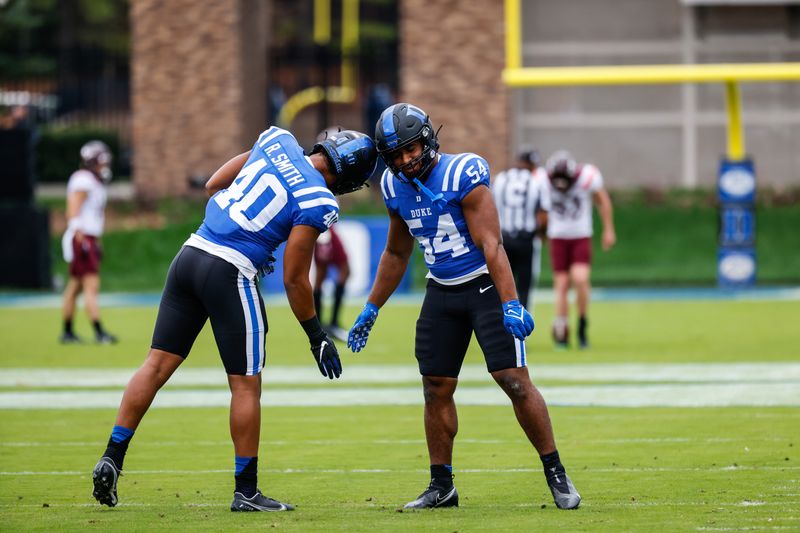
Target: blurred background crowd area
[(176, 88)]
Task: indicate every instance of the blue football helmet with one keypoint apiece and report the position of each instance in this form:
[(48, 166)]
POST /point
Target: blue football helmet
[(353, 159), (399, 126)]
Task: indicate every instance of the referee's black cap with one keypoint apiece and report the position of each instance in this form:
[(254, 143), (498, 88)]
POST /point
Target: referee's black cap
[(531, 157)]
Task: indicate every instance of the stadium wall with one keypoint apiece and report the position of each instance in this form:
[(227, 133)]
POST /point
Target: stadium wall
[(199, 85), (198, 88), (451, 57)]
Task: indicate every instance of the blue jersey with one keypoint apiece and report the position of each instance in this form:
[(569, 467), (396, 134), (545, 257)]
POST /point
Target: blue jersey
[(277, 189), (441, 230)]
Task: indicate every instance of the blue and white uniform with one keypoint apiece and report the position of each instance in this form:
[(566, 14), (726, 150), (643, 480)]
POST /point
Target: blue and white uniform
[(214, 274), (439, 226), (460, 297), (277, 189)]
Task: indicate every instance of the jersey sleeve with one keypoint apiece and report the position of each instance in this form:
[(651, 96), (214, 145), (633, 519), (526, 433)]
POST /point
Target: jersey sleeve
[(80, 181), (590, 179), (316, 207), (388, 191), (471, 171)]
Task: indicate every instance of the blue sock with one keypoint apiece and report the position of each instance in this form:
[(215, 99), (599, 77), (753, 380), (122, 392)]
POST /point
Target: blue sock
[(246, 475), (118, 445), (120, 434)]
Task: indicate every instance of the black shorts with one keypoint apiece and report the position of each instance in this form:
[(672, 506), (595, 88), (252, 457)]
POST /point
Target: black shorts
[(201, 286), (448, 317)]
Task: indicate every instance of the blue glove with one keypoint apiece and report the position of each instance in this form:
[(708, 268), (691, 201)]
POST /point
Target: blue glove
[(357, 338), (517, 320)]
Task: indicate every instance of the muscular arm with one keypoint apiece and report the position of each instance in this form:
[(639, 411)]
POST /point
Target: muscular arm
[(296, 265), (224, 176), (606, 210), (394, 261), (484, 227)]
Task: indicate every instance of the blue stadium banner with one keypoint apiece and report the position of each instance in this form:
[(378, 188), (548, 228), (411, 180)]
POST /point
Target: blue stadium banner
[(737, 182), (736, 192), (736, 267), (364, 239), (737, 225)]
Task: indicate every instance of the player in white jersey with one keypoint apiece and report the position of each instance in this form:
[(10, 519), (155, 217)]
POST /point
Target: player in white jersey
[(443, 202), (520, 196), (270, 195), (86, 204), (573, 189)]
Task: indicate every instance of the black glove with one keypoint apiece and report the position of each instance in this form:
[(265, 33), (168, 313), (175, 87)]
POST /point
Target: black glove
[(322, 348), (327, 357)]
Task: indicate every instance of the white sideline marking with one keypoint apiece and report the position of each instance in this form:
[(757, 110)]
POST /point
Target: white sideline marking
[(395, 442), (398, 470), (655, 395), (368, 374)]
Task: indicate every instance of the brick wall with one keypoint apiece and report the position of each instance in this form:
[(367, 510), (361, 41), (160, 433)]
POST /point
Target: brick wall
[(197, 76), (452, 55)]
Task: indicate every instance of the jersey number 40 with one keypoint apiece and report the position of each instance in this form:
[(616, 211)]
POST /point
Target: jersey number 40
[(253, 209)]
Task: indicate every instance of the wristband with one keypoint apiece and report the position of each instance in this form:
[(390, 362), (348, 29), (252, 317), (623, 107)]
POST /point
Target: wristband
[(313, 329), (73, 223)]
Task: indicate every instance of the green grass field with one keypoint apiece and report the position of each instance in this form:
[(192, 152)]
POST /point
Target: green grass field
[(351, 467)]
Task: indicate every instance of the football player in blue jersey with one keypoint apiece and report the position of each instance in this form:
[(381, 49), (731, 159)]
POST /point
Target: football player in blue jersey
[(259, 199), (443, 201)]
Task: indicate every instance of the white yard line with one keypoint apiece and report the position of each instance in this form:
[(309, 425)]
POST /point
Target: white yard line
[(399, 442), (537, 470), (650, 395), (372, 374)]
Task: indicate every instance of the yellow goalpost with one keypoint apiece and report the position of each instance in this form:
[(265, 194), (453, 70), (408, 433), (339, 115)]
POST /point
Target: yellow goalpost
[(516, 75)]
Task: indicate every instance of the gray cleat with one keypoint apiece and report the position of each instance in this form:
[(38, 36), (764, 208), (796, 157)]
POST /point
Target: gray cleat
[(434, 497), (564, 493), (258, 502)]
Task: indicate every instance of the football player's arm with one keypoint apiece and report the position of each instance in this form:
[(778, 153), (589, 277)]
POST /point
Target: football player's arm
[(484, 227), (224, 176), (75, 201), (296, 266), (606, 209), (394, 261)]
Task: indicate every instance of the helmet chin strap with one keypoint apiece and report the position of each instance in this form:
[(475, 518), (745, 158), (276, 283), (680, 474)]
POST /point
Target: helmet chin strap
[(437, 200)]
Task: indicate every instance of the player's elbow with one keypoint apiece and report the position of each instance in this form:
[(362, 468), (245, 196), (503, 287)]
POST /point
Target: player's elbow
[(211, 189), (491, 246), (294, 284)]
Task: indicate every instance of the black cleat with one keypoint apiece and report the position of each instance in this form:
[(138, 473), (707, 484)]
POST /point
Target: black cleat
[(258, 502), (104, 476), (105, 338), (564, 494), (435, 497), (69, 338)]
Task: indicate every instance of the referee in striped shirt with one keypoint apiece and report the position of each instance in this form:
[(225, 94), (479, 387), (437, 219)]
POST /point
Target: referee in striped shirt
[(521, 203)]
